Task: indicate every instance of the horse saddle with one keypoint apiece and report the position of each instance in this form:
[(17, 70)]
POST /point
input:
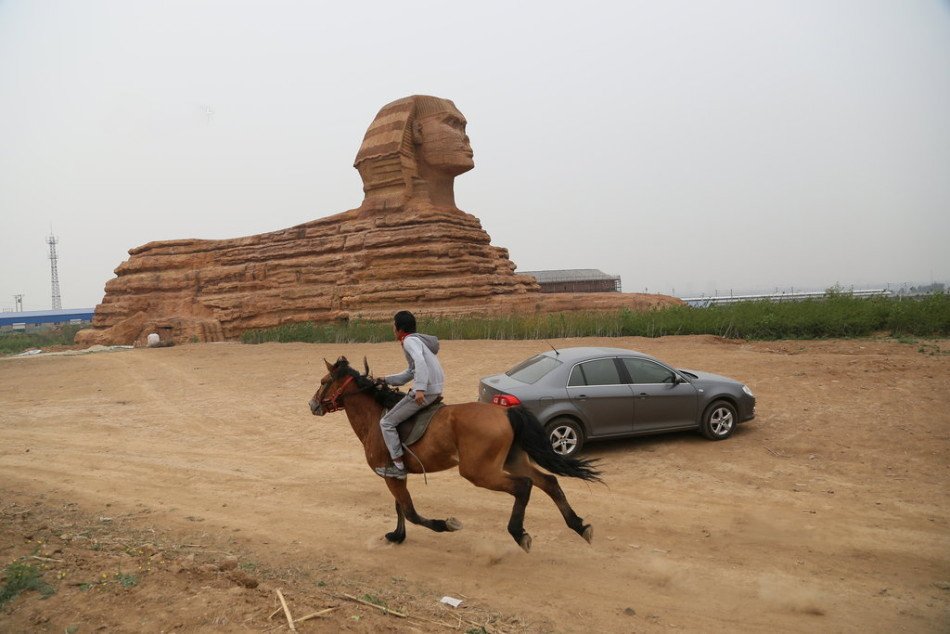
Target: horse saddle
[(412, 429)]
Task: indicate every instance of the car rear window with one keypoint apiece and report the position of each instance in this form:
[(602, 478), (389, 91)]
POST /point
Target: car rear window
[(533, 369)]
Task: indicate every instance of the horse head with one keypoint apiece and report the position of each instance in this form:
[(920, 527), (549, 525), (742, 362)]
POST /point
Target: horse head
[(329, 395), (335, 386)]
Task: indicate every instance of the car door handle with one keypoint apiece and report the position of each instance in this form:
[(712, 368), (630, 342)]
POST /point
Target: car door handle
[(642, 395)]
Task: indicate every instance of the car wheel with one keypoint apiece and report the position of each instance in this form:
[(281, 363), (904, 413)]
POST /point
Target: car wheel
[(719, 421), (566, 436)]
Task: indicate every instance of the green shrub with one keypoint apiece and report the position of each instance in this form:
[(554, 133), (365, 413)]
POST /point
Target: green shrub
[(19, 577), (18, 341)]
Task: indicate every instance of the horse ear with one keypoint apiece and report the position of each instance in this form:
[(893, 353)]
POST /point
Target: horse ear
[(366, 366), (329, 367)]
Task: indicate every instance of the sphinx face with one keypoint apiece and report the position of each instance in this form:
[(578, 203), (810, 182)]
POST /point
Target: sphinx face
[(442, 145)]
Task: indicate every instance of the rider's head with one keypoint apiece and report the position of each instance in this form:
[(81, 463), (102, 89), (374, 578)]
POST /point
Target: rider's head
[(404, 322)]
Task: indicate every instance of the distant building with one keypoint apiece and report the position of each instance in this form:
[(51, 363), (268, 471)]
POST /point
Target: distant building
[(37, 318), (936, 287), (575, 281)]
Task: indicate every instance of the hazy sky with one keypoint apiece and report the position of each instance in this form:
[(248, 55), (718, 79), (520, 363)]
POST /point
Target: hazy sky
[(688, 146)]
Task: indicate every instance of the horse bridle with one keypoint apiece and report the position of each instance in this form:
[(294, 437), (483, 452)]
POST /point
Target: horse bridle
[(335, 402)]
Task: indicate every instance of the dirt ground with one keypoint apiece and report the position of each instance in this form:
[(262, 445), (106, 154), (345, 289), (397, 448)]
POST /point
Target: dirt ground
[(188, 489)]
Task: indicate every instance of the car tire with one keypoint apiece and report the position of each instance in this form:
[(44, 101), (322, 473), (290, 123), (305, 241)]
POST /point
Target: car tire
[(566, 436), (719, 420)]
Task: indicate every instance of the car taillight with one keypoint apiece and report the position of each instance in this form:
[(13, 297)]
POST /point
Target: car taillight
[(505, 400)]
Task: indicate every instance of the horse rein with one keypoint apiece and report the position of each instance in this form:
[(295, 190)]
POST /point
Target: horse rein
[(335, 403)]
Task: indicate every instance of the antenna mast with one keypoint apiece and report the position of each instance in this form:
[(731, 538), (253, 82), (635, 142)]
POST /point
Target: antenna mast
[(51, 241)]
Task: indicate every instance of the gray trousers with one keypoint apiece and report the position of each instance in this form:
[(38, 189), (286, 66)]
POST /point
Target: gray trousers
[(400, 412)]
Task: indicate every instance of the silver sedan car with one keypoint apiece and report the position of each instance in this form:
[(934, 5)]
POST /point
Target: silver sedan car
[(582, 394)]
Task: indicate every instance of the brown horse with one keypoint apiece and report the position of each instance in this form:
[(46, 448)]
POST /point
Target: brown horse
[(493, 447)]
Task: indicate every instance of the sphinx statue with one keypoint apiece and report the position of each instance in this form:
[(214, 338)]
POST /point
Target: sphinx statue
[(407, 246)]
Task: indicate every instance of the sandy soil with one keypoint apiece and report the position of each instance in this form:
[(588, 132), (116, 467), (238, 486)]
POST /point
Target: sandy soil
[(178, 489)]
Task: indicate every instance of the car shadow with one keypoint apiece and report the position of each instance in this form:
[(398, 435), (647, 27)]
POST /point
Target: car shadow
[(615, 446)]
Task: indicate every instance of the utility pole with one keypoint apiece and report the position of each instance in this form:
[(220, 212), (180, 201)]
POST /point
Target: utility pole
[(18, 303)]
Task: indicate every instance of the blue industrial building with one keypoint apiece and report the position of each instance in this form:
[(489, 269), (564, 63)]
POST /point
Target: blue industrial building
[(33, 318)]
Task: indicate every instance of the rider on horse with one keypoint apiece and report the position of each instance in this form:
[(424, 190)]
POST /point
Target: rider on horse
[(425, 371)]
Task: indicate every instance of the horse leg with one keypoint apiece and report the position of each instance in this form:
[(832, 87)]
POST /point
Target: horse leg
[(522, 492), (406, 510), (519, 487), (518, 464), (398, 535)]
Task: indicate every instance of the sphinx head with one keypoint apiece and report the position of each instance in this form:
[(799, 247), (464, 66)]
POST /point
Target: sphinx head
[(413, 150)]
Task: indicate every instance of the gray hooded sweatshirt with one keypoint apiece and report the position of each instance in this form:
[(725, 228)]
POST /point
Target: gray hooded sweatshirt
[(424, 368)]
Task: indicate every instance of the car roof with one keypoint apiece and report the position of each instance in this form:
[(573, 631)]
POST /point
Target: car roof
[(583, 352)]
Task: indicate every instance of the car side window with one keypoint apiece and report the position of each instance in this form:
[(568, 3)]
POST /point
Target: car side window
[(645, 371), (596, 372)]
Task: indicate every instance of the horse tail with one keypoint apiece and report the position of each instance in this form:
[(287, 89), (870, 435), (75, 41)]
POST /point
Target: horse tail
[(530, 436)]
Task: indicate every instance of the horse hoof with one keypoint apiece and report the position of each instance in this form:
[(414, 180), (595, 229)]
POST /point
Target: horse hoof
[(452, 524), (395, 538), (588, 533), (525, 542)]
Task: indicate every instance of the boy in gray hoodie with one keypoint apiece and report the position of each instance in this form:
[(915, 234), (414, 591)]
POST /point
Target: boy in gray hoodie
[(425, 371)]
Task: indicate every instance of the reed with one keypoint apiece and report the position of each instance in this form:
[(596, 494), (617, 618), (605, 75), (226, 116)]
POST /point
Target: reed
[(837, 315)]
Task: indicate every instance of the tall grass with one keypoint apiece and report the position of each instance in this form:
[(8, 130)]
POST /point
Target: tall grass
[(18, 341), (837, 315)]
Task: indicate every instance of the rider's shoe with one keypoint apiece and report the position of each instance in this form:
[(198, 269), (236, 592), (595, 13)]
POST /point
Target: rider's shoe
[(391, 471)]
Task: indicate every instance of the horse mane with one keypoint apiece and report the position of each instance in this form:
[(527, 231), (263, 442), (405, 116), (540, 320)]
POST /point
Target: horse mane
[(386, 396)]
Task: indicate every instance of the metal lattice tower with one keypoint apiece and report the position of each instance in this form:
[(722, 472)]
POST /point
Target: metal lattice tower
[(54, 273)]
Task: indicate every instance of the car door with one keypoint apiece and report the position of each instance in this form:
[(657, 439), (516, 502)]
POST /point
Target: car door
[(602, 397), (660, 400)]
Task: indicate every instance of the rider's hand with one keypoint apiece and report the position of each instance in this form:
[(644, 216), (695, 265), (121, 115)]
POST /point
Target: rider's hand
[(420, 397)]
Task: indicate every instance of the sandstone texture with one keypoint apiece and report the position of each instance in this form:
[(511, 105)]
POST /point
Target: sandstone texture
[(406, 247)]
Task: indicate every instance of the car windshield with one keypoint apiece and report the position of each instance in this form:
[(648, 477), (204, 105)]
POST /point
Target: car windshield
[(533, 369)]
